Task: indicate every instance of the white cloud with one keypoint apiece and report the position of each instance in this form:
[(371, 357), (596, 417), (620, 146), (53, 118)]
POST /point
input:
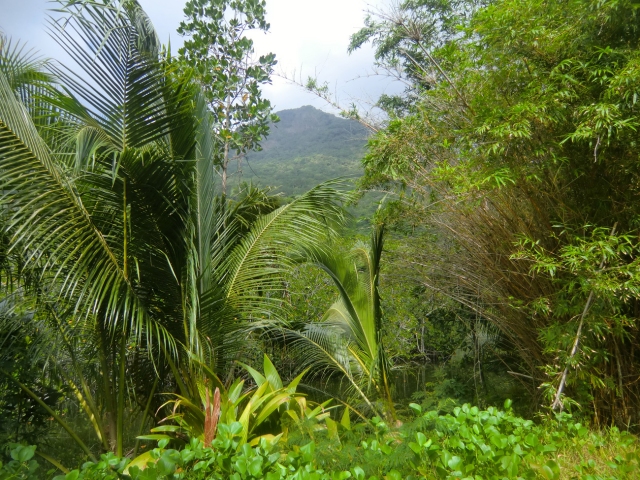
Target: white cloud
[(307, 36), (311, 38)]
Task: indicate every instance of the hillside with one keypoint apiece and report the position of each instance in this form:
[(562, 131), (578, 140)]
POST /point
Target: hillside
[(307, 131), (306, 147)]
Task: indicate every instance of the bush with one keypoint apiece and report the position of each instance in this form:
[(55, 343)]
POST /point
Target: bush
[(469, 444), (22, 465)]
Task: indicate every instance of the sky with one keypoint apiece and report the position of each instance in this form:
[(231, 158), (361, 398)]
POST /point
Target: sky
[(307, 36)]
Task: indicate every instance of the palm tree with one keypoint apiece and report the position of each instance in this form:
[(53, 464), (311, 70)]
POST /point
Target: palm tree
[(348, 340), (108, 187)]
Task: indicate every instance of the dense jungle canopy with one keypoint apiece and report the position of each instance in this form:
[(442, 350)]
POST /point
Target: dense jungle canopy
[(162, 318)]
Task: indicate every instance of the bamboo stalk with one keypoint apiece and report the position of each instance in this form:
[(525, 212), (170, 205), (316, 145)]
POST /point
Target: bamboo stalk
[(557, 402)]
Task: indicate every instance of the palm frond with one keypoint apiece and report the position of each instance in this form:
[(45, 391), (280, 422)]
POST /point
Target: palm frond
[(23, 69), (323, 349), (122, 86), (247, 287), (49, 219), (303, 223), (352, 327)]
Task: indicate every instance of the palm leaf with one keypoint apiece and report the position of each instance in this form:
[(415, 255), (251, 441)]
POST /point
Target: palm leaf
[(348, 340), (23, 69), (48, 216), (122, 87), (247, 274)]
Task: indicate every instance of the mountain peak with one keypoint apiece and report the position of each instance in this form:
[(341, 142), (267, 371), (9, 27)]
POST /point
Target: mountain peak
[(307, 131), (306, 147)]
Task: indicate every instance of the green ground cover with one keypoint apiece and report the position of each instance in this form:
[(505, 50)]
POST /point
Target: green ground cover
[(467, 443)]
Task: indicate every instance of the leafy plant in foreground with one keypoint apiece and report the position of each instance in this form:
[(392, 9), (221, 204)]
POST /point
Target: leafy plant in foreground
[(468, 444), (252, 408), (22, 465), (109, 192), (348, 340)]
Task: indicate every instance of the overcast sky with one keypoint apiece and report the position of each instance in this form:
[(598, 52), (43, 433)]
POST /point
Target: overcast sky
[(307, 36)]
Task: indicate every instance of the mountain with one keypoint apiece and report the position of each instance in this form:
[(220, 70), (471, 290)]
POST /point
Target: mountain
[(307, 131), (306, 147)]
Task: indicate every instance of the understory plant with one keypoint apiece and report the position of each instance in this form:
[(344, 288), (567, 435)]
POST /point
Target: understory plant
[(468, 443), (347, 342), (259, 409)]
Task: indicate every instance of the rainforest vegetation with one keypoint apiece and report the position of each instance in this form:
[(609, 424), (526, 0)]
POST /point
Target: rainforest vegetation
[(159, 321)]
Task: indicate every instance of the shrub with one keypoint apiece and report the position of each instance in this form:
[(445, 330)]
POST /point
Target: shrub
[(466, 444)]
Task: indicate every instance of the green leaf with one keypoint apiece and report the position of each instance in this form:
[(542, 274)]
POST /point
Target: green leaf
[(393, 475), (140, 461), (157, 436), (499, 441), (165, 428), (167, 462), (345, 421), (358, 473), (532, 440), (551, 470), (255, 466), (241, 465), (332, 428), (23, 453), (72, 475), (455, 463), (271, 374)]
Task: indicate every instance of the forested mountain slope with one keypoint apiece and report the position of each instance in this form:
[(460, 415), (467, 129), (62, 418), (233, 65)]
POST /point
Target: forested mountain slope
[(305, 148)]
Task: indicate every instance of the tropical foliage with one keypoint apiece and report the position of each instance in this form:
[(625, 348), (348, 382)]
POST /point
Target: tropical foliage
[(348, 339), (255, 409), (250, 335), (468, 443), (109, 202), (516, 141)]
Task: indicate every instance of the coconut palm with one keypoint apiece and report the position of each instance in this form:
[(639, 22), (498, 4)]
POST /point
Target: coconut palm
[(348, 340), (107, 184)]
